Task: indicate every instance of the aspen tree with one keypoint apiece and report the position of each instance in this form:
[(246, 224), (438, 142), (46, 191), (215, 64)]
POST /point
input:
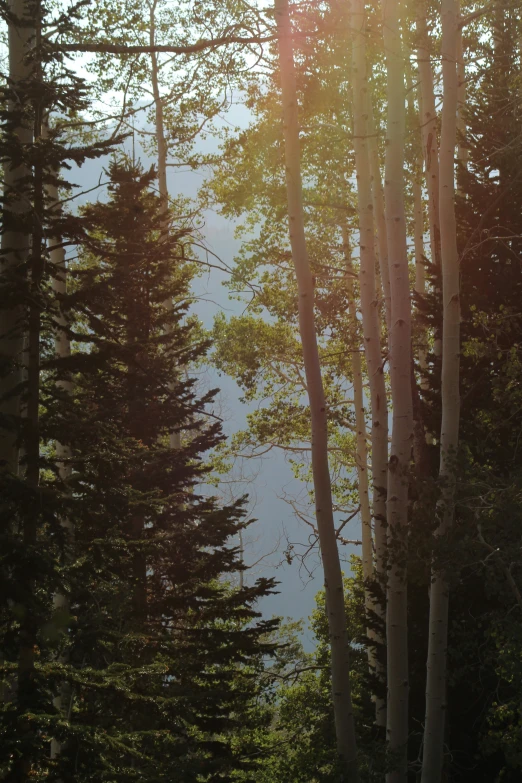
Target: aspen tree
[(361, 458), (462, 146), (15, 238), (333, 578), (379, 213), (418, 205), (161, 141), (420, 436), (436, 683), (400, 378), (369, 300), (428, 124), (380, 477), (420, 271)]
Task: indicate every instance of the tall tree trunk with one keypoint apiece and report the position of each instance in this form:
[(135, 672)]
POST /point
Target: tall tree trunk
[(62, 346), (339, 645), (420, 436), (462, 146), (362, 475), (379, 213), (429, 130), (174, 437), (26, 691), (418, 244), (433, 754), (15, 239), (369, 301), (400, 377), (380, 475)]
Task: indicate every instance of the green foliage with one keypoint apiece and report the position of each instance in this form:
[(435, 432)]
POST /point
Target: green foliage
[(301, 745), (156, 658)]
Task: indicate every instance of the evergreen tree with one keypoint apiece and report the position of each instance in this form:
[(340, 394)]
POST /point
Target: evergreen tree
[(163, 653), (153, 655)]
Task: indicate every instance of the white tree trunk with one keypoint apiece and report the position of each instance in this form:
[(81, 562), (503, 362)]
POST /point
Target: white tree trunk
[(15, 243), (368, 290), (400, 377), (380, 468), (379, 213), (418, 215), (174, 437), (429, 131), (462, 146), (369, 572), (333, 577), (420, 270), (436, 684)]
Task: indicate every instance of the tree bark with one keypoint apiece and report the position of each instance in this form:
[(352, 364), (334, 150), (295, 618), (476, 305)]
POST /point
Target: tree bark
[(369, 572), (429, 131), (26, 685), (379, 213), (433, 754), (380, 487), (174, 437), (334, 588), (368, 290), (62, 346), (400, 377), (15, 241), (418, 241), (462, 146)]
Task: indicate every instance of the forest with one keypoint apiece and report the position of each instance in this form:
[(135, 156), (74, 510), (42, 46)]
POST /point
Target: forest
[(374, 185)]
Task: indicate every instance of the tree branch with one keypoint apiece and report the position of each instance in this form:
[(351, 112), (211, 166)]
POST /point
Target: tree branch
[(200, 46)]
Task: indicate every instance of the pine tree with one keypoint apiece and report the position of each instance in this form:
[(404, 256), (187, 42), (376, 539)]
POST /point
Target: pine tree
[(163, 652), (148, 617)]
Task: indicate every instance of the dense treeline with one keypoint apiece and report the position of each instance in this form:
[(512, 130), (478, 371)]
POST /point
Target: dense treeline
[(379, 185)]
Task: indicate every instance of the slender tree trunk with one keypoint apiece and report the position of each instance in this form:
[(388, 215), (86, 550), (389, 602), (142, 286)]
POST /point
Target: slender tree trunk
[(15, 240), (361, 460), (436, 684), (462, 146), (15, 248), (418, 205), (339, 644), (241, 560), (400, 377), (420, 436), (380, 475), (379, 213), (369, 300), (62, 347), (159, 122), (174, 437), (26, 690), (418, 242), (429, 131)]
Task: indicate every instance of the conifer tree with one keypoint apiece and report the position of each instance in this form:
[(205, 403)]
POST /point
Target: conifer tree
[(163, 653), (47, 647)]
